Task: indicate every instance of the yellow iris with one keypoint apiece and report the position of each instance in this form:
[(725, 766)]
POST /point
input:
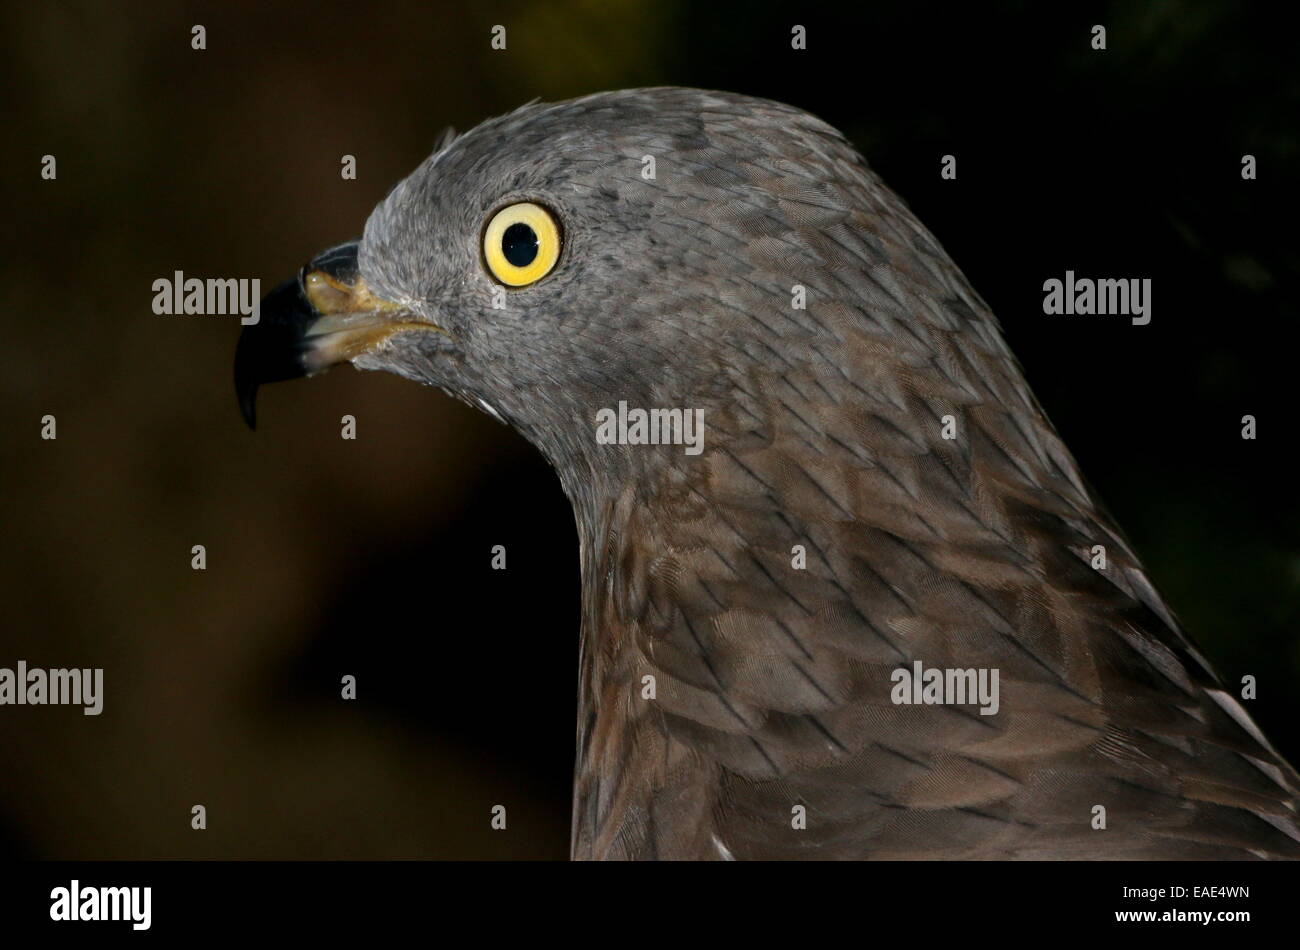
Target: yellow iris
[(521, 244)]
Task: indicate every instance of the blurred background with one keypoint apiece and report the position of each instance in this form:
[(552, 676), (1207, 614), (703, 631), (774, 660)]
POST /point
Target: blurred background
[(371, 557)]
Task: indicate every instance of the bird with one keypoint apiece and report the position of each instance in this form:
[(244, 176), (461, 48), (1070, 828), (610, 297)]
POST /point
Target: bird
[(781, 613)]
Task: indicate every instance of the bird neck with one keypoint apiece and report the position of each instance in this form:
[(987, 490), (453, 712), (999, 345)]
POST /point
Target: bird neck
[(643, 787)]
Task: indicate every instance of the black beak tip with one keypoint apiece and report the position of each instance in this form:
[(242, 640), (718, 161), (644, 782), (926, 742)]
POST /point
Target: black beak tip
[(276, 347), (246, 378), (248, 406), (272, 349)]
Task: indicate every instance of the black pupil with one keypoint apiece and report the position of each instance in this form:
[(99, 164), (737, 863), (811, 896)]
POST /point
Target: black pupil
[(519, 244)]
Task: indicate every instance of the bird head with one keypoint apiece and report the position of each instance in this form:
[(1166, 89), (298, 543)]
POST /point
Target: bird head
[(643, 246)]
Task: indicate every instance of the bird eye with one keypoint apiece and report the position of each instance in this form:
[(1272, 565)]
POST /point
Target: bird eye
[(521, 244)]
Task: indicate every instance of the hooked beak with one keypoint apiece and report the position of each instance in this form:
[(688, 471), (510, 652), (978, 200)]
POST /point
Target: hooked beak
[(325, 315)]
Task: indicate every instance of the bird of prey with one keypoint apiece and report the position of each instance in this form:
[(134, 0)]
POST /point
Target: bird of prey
[(876, 495)]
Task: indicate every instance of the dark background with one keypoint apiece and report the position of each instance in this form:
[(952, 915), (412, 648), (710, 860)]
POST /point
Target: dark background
[(328, 557)]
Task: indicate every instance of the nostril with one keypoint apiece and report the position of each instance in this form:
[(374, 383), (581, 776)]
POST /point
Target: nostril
[(326, 294)]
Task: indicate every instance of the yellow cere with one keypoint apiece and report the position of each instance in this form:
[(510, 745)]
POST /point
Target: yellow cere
[(521, 244)]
